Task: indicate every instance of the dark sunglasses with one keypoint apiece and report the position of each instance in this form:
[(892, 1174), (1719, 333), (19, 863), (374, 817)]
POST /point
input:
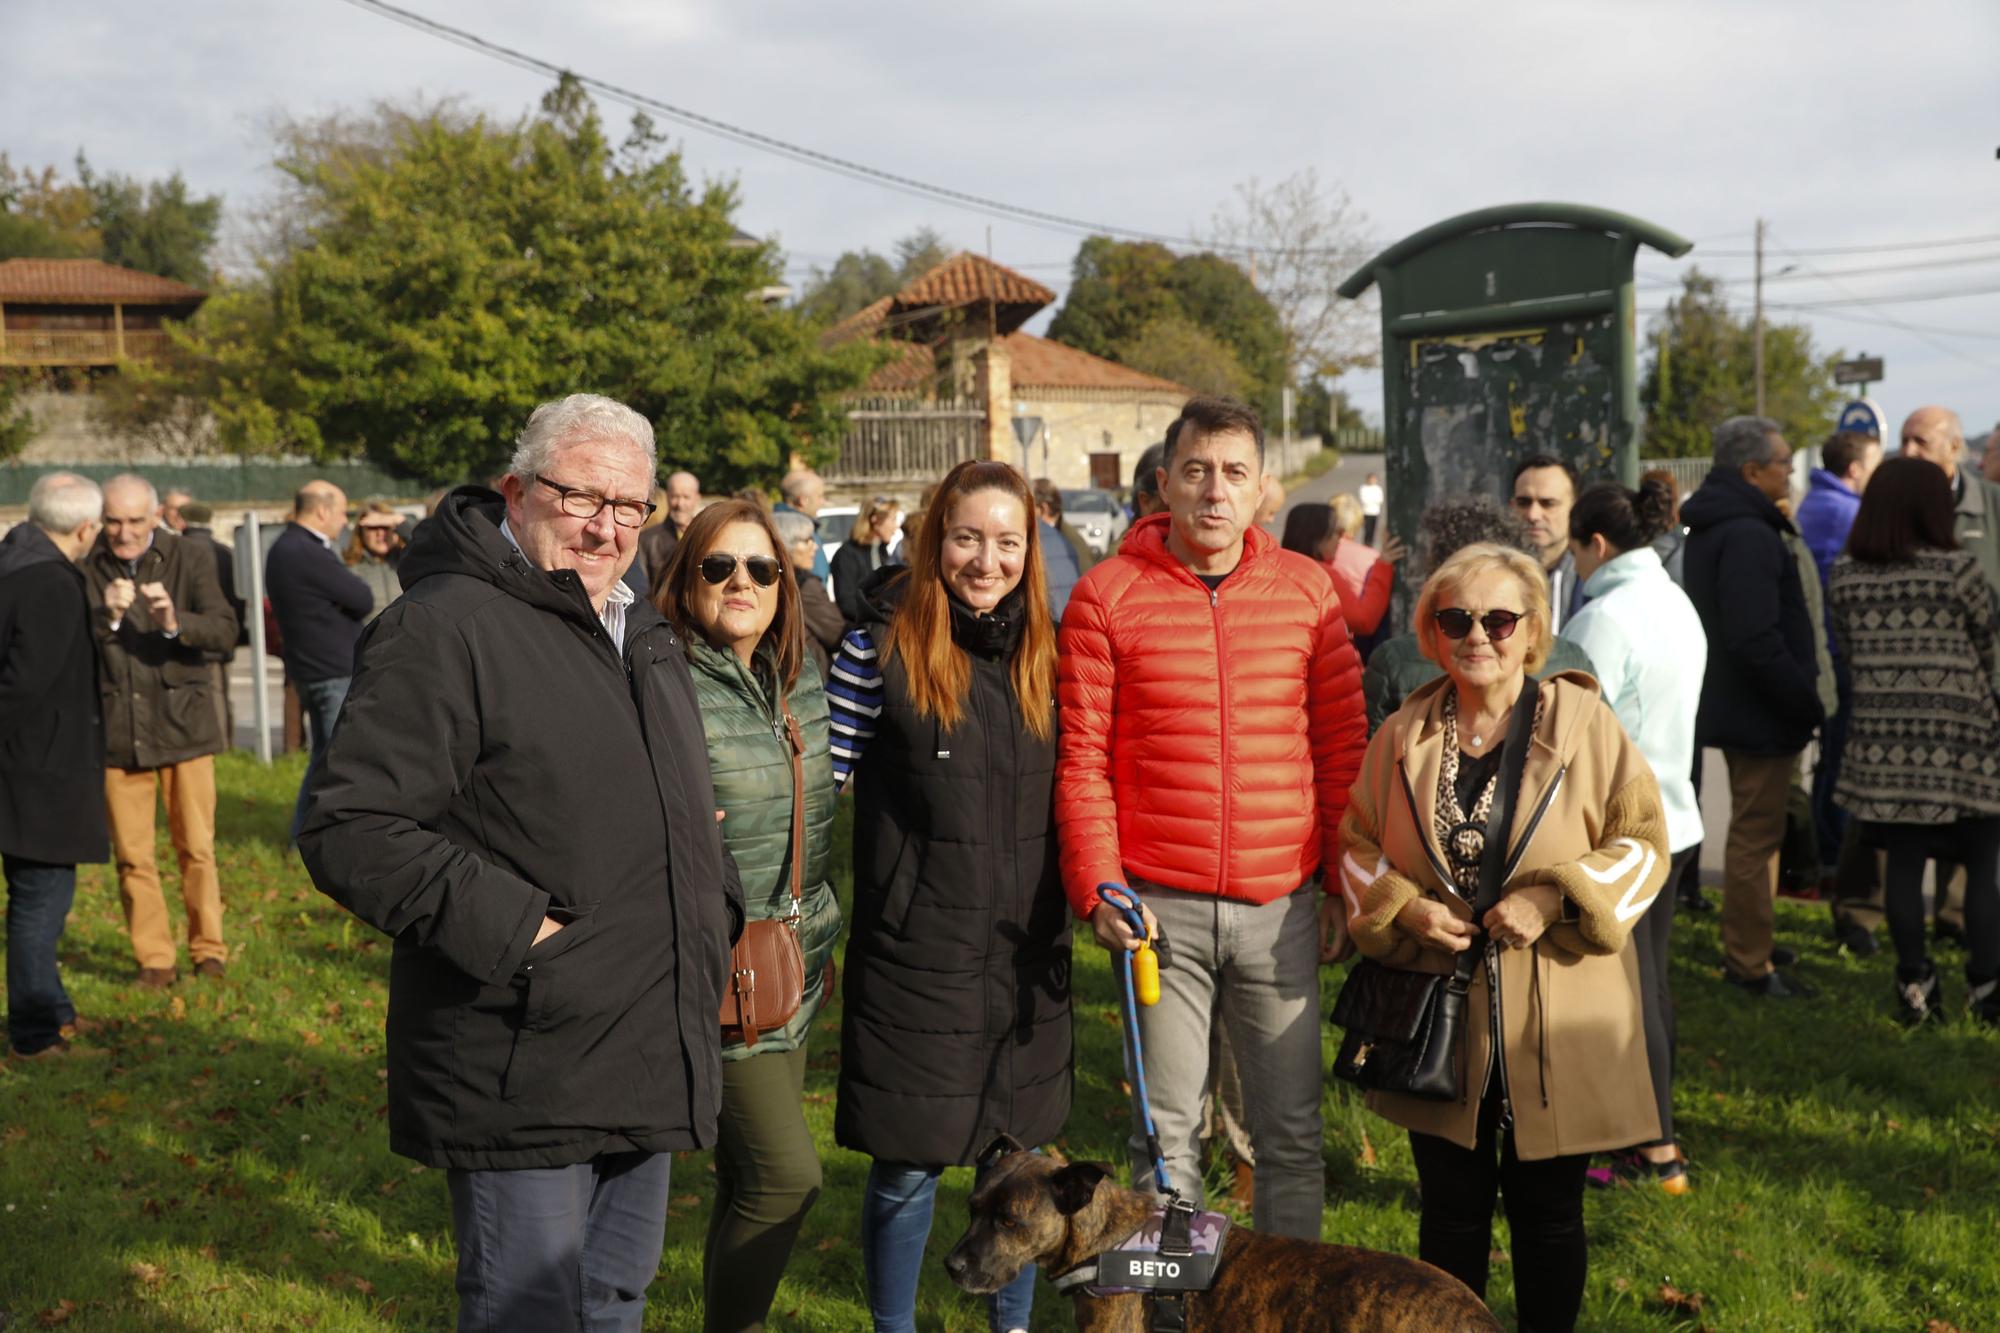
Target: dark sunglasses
[(1455, 623), (718, 567)]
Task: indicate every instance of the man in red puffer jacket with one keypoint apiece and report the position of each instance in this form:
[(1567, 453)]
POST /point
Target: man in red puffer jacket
[(1212, 723)]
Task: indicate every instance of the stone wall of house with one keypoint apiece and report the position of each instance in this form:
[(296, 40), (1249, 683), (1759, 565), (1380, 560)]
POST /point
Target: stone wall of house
[(1078, 423)]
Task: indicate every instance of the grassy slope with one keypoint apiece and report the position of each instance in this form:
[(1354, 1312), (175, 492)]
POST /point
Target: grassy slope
[(215, 1158)]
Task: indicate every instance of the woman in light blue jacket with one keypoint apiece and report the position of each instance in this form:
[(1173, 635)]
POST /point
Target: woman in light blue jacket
[(1646, 642)]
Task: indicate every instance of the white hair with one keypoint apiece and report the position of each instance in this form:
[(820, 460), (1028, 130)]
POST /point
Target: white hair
[(793, 527), (62, 502), (126, 481), (573, 420)]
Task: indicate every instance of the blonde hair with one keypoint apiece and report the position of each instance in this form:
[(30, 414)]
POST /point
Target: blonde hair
[(1470, 562), (1347, 517)]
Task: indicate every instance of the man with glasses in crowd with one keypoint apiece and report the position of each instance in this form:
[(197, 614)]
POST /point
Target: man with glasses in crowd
[(519, 793)]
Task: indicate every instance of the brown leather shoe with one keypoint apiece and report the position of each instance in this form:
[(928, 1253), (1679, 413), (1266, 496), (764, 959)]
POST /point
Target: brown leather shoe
[(157, 978), (211, 968)]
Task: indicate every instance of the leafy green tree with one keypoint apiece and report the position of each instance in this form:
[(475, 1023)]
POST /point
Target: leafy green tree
[(17, 428), (1700, 370), (155, 227), (1176, 348), (442, 275), (859, 278)]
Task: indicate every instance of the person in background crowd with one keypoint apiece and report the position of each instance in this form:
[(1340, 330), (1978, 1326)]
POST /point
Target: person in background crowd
[(1554, 1066), (1372, 498), (197, 531), (730, 590), (1833, 497), (1146, 499), (1398, 666), (1915, 622), (1989, 457), (51, 749), (865, 551), (956, 1021), (1063, 562), (320, 606), (1544, 488), (1760, 699), (1268, 506), (374, 550), (1633, 609), (1671, 545), (553, 995), (1363, 578), (1236, 697), (171, 503), (824, 624), (804, 492), (680, 501), (160, 618)]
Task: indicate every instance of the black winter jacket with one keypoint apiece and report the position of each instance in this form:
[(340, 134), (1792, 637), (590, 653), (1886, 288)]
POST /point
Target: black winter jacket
[(500, 759), (51, 732), (1760, 694), (320, 605), (956, 1022)]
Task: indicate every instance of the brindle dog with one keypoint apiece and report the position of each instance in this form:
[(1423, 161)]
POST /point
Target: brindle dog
[(1040, 1209)]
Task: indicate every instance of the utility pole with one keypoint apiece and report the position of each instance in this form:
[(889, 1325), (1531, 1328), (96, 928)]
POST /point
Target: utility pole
[(1757, 343)]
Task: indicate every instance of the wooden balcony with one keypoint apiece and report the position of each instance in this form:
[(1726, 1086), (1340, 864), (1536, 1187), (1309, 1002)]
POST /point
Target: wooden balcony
[(73, 347), (896, 441)]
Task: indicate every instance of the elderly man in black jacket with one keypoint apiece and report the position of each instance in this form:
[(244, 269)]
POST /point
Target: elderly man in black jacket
[(51, 748), (160, 617), (519, 793), (1760, 701)]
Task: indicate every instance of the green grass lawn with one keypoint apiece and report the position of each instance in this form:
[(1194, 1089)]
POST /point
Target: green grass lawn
[(215, 1157)]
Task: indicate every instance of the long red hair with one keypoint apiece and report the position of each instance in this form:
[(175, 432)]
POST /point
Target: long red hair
[(939, 672)]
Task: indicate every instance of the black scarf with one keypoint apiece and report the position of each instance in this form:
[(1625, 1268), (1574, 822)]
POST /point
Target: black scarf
[(994, 634)]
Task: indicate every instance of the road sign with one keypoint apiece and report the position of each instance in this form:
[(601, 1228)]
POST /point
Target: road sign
[(1863, 370), (1864, 416)]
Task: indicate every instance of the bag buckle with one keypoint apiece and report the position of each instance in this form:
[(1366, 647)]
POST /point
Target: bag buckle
[(1361, 1053)]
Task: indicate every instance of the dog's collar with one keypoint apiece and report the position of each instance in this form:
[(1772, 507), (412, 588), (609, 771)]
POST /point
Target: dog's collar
[(1082, 1275), (1147, 1261)]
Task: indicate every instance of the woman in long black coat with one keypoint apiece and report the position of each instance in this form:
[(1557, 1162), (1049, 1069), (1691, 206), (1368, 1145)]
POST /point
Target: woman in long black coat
[(956, 1022)]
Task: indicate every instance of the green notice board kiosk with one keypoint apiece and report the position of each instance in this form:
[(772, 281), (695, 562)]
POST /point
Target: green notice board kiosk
[(1507, 332)]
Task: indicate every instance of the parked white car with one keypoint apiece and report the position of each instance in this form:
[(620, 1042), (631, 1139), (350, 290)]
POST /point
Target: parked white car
[(836, 521), (1098, 517)]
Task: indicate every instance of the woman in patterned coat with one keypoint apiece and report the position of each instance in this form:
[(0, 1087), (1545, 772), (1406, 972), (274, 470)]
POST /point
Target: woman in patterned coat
[(1915, 622)]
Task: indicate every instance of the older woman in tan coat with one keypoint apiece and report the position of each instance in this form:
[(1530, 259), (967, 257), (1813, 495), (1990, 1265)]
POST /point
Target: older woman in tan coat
[(1556, 1069)]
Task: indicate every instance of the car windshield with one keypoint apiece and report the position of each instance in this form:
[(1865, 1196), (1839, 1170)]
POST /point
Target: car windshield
[(1091, 502), (834, 527)]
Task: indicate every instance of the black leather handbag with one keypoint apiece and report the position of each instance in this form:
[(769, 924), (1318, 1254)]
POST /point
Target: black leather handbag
[(1405, 1028)]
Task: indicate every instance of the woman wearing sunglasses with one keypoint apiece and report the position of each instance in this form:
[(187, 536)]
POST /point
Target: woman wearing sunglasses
[(955, 1026), (730, 591), (1553, 1065)]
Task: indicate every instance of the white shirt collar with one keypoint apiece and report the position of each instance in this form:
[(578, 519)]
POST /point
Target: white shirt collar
[(615, 602)]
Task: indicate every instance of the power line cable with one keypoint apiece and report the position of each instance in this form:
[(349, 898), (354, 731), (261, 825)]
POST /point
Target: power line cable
[(1887, 247), (803, 155), (1891, 322)]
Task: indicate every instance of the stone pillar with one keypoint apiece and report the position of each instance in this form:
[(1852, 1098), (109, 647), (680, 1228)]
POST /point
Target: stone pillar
[(994, 375)]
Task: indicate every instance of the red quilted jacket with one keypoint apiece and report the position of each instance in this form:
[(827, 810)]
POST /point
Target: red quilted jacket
[(1208, 740)]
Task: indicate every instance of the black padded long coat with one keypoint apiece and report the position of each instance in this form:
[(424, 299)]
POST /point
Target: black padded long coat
[(956, 1017)]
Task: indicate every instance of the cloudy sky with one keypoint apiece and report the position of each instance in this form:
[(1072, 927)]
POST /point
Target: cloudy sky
[(1842, 123)]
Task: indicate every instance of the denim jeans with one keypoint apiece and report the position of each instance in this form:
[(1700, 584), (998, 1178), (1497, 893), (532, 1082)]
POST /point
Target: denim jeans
[(562, 1248), (895, 1223), (38, 899), (321, 700)]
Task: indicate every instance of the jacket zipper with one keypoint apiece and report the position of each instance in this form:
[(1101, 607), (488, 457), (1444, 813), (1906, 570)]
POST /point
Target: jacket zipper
[(1497, 1058), (1534, 822), (1429, 854), (1222, 863)]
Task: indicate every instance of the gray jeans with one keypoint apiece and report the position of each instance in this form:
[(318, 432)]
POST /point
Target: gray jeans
[(1262, 965)]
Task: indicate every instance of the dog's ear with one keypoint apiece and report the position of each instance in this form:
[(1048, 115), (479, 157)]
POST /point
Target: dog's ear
[(997, 1149), (1075, 1186)]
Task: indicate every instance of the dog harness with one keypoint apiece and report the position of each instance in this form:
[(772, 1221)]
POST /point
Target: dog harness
[(1172, 1257)]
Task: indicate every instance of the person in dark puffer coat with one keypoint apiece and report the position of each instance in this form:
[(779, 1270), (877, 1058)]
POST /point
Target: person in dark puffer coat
[(957, 1004), (746, 647)]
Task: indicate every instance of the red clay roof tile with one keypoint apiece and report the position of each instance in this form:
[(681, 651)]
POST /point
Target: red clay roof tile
[(88, 282)]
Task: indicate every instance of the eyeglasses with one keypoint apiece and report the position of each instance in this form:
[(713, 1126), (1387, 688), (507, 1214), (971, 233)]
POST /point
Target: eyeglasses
[(1455, 623), (717, 568), (580, 503)]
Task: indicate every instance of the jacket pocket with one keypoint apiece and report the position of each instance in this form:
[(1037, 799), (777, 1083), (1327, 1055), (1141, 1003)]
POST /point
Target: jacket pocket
[(901, 889)]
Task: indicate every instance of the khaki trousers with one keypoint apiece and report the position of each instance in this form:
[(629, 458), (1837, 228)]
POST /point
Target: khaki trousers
[(1759, 786), (131, 797)]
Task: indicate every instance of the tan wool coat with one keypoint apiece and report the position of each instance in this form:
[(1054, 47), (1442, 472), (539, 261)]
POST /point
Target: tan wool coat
[(1588, 820)]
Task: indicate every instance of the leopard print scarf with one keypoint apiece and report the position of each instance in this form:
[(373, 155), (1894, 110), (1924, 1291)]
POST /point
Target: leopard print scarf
[(1460, 832)]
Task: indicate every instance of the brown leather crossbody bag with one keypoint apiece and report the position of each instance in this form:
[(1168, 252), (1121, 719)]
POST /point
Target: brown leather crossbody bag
[(767, 968)]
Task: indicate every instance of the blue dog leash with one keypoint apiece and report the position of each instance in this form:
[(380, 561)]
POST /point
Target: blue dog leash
[(1121, 898)]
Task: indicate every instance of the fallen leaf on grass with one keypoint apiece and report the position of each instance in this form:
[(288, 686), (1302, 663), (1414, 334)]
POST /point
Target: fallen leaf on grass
[(1676, 1299), (830, 1243), (177, 1009), (98, 1154), (58, 1313), (1367, 1150), (327, 1237), (210, 1253), (363, 1285), (1621, 1284), (1892, 1125), (686, 1200), (12, 1135), (148, 1275)]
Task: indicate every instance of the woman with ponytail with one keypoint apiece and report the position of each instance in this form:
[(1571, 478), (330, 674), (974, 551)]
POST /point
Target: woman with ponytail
[(955, 1026), (1646, 644)]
